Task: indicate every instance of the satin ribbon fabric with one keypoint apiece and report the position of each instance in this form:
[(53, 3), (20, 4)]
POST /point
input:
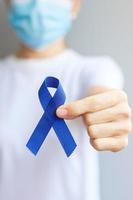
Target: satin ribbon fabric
[(49, 119)]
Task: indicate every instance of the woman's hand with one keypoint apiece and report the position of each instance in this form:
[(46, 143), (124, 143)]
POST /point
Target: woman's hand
[(107, 116)]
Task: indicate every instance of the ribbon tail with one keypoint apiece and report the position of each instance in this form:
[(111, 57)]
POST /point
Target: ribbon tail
[(64, 136), (39, 135)]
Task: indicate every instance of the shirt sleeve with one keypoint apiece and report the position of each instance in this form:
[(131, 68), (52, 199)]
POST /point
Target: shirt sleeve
[(104, 72)]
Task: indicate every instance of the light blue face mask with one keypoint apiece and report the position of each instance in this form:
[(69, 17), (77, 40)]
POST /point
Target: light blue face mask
[(39, 23)]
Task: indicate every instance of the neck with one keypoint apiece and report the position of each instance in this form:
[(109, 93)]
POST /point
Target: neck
[(53, 50)]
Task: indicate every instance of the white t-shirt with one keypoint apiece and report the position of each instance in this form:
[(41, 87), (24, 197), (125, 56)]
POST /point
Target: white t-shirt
[(50, 175)]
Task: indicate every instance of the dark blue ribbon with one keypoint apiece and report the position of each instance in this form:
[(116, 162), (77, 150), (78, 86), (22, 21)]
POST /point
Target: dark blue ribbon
[(49, 119)]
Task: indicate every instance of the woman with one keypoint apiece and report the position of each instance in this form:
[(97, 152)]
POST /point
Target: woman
[(93, 86)]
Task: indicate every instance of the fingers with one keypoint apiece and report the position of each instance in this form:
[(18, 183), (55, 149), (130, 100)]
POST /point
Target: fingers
[(107, 116), (110, 129), (91, 104), (115, 113), (113, 144)]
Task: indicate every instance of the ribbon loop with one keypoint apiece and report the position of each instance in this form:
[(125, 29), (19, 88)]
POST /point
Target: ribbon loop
[(49, 118)]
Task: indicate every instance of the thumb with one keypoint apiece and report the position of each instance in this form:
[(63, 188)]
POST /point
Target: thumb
[(72, 110)]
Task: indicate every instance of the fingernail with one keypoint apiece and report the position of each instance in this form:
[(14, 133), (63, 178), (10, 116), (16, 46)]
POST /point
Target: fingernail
[(62, 112)]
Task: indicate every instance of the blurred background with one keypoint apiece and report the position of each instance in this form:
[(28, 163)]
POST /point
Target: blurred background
[(104, 27)]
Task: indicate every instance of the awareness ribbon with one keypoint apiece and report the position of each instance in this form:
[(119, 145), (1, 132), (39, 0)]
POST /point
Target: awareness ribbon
[(49, 119)]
